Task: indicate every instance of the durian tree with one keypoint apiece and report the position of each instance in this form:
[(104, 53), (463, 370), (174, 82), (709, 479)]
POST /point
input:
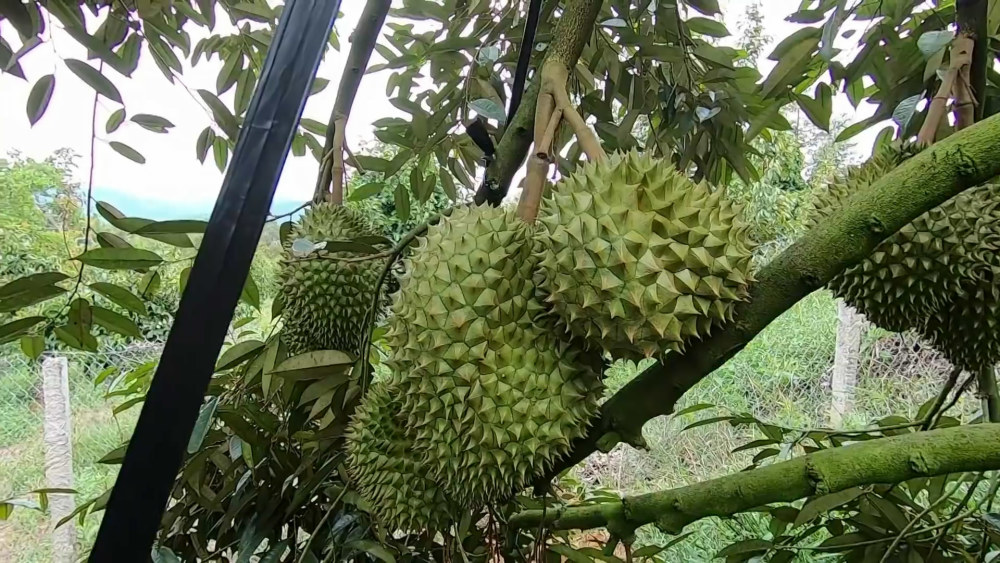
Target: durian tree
[(414, 423)]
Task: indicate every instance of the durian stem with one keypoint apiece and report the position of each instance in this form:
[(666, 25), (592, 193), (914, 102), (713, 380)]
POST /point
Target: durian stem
[(965, 105), (362, 44), (573, 29), (988, 394), (961, 55), (584, 134), (965, 159), (542, 151), (534, 187), (882, 461)]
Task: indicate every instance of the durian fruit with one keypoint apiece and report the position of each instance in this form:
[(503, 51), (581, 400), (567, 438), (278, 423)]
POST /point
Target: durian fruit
[(638, 259), (492, 397), (381, 462), (910, 276), (326, 300)]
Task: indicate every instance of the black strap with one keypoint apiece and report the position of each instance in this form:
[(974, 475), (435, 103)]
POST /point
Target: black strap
[(156, 450), (524, 57)]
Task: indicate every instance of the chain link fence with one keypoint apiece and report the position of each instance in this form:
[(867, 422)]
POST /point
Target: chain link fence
[(96, 430)]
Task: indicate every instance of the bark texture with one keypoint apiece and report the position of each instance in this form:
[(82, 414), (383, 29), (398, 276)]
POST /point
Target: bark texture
[(965, 159), (886, 460)]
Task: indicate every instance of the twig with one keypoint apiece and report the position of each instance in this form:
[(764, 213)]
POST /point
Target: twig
[(290, 213), (932, 415), (312, 536), (958, 508)]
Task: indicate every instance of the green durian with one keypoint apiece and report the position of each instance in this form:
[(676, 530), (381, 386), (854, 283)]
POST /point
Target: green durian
[(492, 397), (326, 300), (937, 275), (382, 463), (637, 259)]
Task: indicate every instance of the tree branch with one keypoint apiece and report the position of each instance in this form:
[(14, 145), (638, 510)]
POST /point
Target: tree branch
[(573, 30), (362, 44), (886, 460), (967, 158)]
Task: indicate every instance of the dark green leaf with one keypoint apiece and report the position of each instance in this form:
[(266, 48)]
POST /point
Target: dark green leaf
[(116, 322), (705, 421), (115, 120), (826, 503), (29, 282), (120, 258), (202, 424), (401, 198), (38, 98), (365, 191), (205, 141), (707, 7), (229, 73), (15, 329), (94, 79), (175, 226), (820, 109), (706, 26), (128, 152), (373, 548), (238, 353), (693, 408), (250, 294), (220, 150), (153, 123), (314, 365), (112, 240), (745, 546), (120, 296), (223, 117)]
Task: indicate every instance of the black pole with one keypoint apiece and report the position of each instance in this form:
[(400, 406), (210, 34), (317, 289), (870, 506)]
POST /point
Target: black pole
[(524, 57), (156, 450)]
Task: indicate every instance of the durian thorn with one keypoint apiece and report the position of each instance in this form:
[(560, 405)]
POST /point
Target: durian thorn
[(545, 145)]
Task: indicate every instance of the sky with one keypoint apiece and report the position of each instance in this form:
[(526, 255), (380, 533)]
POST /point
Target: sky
[(173, 183)]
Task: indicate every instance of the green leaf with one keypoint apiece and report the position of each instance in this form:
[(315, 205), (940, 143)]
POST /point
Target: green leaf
[(401, 198), (826, 503), (175, 226), (237, 354), (365, 191), (39, 97), (791, 65), (202, 424), (314, 365), (149, 284), (229, 73), (706, 421), (29, 282), (745, 546), (372, 548), (112, 240), (14, 329), (151, 122), (220, 150), (693, 408), (905, 110), (30, 297), (707, 7), (223, 117), (32, 346), (820, 109), (250, 294), (205, 141), (182, 279), (571, 554), (127, 405), (120, 258), (116, 322), (133, 224), (128, 152), (931, 42), (489, 109), (115, 120), (254, 9), (313, 126), (94, 79), (318, 85), (115, 456), (121, 296), (707, 26)]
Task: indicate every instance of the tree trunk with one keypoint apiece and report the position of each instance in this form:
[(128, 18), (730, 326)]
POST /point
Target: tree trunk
[(59, 456), (850, 328)]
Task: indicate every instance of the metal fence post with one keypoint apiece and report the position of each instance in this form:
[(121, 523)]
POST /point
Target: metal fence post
[(59, 455)]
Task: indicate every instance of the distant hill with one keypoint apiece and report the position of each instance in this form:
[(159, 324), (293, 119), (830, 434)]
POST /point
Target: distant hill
[(162, 210)]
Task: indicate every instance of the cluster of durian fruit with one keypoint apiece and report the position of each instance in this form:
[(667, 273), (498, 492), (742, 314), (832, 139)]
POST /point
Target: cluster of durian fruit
[(499, 329), (938, 276)]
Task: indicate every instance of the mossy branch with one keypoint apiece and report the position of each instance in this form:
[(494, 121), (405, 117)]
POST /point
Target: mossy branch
[(574, 29), (965, 159), (330, 184), (882, 461)]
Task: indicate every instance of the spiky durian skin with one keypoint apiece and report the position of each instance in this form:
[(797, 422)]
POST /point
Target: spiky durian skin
[(637, 259), (381, 462), (326, 300), (492, 398)]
